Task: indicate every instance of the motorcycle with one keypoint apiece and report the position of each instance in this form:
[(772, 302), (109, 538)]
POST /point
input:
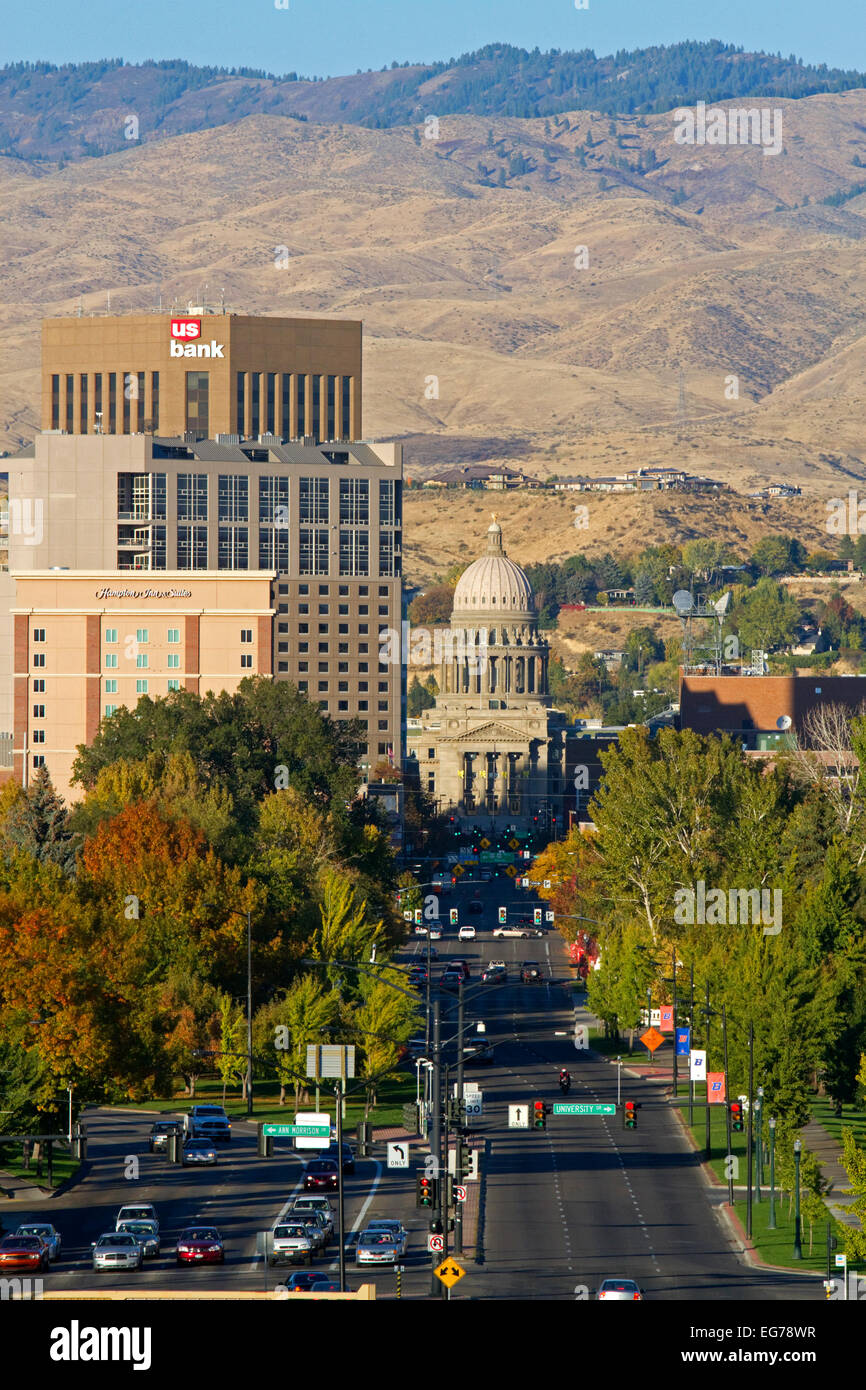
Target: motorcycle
[(564, 1082)]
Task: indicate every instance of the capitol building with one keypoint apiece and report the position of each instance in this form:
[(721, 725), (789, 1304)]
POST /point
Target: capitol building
[(492, 750)]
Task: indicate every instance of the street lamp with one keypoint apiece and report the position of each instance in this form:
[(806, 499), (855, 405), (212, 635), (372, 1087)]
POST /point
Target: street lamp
[(759, 1176), (798, 1249), (772, 1127)]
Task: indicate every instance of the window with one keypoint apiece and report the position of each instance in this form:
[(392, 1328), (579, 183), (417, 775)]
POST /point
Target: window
[(355, 501), (363, 685), (111, 661), (383, 748), (111, 686), (173, 661), (269, 409), (255, 395), (362, 704), (332, 407), (324, 627), (282, 666), (173, 684), (363, 609), (109, 710), (342, 627), (246, 634), (303, 608), (192, 547), (233, 497), (387, 554), (383, 590), (323, 685), (342, 608), (354, 552), (346, 383), (341, 685), (323, 647), (174, 634), (383, 724), (154, 398), (303, 627), (39, 634), (302, 405), (363, 665), (303, 646), (383, 705), (141, 686), (39, 760), (324, 608), (342, 647), (142, 661), (55, 402), (112, 402), (282, 646), (302, 685), (363, 590), (431, 753), (274, 500), (383, 610), (82, 419), (197, 402), (342, 704), (141, 634), (302, 589), (365, 628), (316, 424), (303, 665), (342, 666), (192, 497), (240, 424), (39, 686), (313, 501), (246, 661), (383, 687), (38, 711), (313, 548), (233, 548)]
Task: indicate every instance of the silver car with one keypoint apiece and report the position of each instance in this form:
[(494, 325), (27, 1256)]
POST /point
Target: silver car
[(291, 1243), (199, 1151), (117, 1250), (145, 1232), (377, 1247), (619, 1291), (136, 1211), (46, 1232), (302, 1205), (395, 1229), (314, 1225)]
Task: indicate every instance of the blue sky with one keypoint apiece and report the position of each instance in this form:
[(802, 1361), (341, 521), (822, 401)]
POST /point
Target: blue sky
[(327, 37)]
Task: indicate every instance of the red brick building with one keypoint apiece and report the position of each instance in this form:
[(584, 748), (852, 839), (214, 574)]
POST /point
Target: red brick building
[(762, 705)]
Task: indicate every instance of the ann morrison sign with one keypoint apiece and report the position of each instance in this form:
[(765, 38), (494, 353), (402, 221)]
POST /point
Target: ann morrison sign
[(144, 593)]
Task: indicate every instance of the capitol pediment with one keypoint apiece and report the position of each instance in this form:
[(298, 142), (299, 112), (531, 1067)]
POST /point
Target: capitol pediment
[(491, 732)]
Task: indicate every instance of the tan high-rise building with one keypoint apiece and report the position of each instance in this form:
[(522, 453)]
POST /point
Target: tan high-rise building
[(202, 372)]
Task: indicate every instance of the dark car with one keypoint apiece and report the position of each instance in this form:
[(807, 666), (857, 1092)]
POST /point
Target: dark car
[(24, 1252), (450, 981), (348, 1157), (302, 1281), (418, 977), (530, 973), (321, 1175), (457, 963), (160, 1131)]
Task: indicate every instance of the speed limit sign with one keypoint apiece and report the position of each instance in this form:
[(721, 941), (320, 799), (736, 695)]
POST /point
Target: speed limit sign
[(435, 1242)]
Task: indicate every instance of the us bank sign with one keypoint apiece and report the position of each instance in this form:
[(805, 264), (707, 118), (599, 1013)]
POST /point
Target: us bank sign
[(182, 330), (144, 593)]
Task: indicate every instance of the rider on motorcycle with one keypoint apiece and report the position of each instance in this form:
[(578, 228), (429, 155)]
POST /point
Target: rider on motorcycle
[(565, 1078)]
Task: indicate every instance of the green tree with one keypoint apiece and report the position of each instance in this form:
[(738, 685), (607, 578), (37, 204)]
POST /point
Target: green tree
[(419, 698), (303, 1015), (767, 617), (772, 555), (38, 823), (854, 1163), (231, 1062)]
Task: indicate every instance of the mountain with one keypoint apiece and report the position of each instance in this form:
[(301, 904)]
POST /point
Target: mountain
[(89, 109)]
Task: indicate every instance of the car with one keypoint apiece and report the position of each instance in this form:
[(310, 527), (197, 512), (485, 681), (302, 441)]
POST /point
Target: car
[(457, 963), (417, 978), (313, 1203), (475, 906), (314, 1225), (486, 876), (207, 1122), (322, 1284), (117, 1250), (619, 1290), (530, 973), (451, 981), (23, 1252), (321, 1174), (303, 1281), (494, 973), (200, 1245), (420, 929), (159, 1132), (397, 1230), (517, 931), (145, 1232), (476, 1048), (136, 1211), (292, 1243), (199, 1151), (46, 1232), (435, 933), (348, 1162), (466, 933), (376, 1247)]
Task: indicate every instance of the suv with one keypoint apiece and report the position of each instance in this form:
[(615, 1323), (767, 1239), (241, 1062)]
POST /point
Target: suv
[(207, 1122), (530, 973), (159, 1132), (292, 1243)]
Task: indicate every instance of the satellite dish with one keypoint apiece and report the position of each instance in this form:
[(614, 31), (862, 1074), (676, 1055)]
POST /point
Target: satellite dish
[(722, 604), (784, 721), (683, 602)]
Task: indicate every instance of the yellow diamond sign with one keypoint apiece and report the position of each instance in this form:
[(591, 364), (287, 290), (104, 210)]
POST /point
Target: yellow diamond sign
[(510, 870), (458, 869), (485, 844), (450, 1272), (513, 844)]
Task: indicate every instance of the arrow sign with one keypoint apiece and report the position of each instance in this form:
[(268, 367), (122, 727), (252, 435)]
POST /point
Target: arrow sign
[(518, 1117), (450, 1272), (398, 1156)]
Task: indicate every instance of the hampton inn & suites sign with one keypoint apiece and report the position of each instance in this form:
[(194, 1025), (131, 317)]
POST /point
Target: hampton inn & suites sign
[(144, 593)]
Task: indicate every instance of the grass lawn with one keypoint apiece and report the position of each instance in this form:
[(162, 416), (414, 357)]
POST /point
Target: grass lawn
[(618, 1047), (776, 1247), (11, 1162), (822, 1111), (393, 1095)]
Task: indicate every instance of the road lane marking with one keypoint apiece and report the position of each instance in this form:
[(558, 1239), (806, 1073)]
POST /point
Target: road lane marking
[(362, 1213)]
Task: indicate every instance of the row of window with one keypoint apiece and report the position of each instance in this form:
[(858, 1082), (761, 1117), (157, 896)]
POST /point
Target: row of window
[(132, 414), (142, 635), (142, 497), (145, 549), (271, 405)]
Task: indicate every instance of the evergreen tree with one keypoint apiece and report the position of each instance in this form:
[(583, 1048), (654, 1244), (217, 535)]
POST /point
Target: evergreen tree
[(38, 824)]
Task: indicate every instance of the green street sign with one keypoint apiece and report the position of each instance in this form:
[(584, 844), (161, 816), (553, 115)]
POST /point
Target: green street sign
[(572, 1108), (297, 1131)]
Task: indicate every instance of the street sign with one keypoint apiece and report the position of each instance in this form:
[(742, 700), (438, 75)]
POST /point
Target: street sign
[(652, 1039), (435, 1242), (570, 1107), (300, 1132), (518, 1117), (485, 843), (474, 1104), (460, 1194), (581, 1037), (398, 1155), (548, 916), (546, 883), (458, 870), (322, 1121), (450, 1272), (840, 1261), (510, 870), (513, 844)]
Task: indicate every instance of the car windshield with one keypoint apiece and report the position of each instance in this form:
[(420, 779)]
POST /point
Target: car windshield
[(201, 1233), (619, 1285), (378, 1238), (139, 1228), (35, 1231), (122, 1238), (135, 1214), (21, 1243), (290, 1232), (323, 1167)]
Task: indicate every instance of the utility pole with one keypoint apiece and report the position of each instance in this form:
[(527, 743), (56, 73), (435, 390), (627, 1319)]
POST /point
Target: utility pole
[(436, 1141), (340, 1212), (707, 1138), (691, 1036), (674, 985), (749, 1135), (458, 1148), (728, 1156), (250, 1016)]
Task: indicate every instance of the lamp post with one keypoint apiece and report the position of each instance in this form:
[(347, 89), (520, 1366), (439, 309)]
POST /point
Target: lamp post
[(759, 1143), (798, 1249), (749, 1132), (618, 1080), (772, 1127)]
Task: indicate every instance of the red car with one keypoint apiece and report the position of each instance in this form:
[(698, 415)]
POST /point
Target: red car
[(200, 1245), (23, 1252), (321, 1175)]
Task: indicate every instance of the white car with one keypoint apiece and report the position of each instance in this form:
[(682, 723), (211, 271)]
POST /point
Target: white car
[(292, 1243), (136, 1211), (619, 1291), (435, 933), (517, 931), (46, 1232), (466, 933)]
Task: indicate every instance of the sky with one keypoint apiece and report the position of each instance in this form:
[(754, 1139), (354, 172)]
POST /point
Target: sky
[(331, 37)]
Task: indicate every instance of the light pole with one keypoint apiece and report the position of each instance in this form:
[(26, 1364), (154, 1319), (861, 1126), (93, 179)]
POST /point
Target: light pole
[(759, 1143), (749, 1133), (618, 1080), (772, 1127), (798, 1249)]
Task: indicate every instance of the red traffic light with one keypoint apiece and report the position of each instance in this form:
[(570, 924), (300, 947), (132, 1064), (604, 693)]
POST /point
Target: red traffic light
[(736, 1117), (630, 1114)]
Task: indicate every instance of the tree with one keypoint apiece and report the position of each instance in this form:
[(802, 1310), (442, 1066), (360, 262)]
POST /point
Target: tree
[(703, 557), (38, 823), (385, 1021), (645, 589), (854, 1163), (284, 1028), (345, 932), (767, 617), (231, 1060), (772, 555), (433, 606), (192, 1015), (419, 698)]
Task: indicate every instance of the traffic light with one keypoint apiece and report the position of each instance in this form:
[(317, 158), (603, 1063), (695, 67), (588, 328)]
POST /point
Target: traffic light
[(453, 916), (736, 1110), (503, 915), (426, 1191), (629, 1115), (539, 1115), (536, 916)]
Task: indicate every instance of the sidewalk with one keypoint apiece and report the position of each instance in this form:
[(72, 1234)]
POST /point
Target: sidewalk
[(13, 1189)]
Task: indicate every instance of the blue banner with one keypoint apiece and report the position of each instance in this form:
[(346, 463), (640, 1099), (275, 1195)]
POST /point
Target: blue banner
[(683, 1045)]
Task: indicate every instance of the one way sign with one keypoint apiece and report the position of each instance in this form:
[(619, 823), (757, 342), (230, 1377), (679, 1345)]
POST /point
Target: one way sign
[(398, 1155)]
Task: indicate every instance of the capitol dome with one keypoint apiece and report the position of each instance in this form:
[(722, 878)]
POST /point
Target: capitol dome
[(493, 585)]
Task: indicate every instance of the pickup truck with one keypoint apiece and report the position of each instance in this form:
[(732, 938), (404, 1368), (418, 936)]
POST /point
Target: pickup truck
[(207, 1122)]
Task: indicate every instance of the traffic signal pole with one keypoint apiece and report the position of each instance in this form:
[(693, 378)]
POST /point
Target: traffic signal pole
[(340, 1212), (436, 1139), (458, 1147)]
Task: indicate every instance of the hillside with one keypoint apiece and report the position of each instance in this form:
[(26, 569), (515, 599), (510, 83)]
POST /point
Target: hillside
[(81, 110)]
